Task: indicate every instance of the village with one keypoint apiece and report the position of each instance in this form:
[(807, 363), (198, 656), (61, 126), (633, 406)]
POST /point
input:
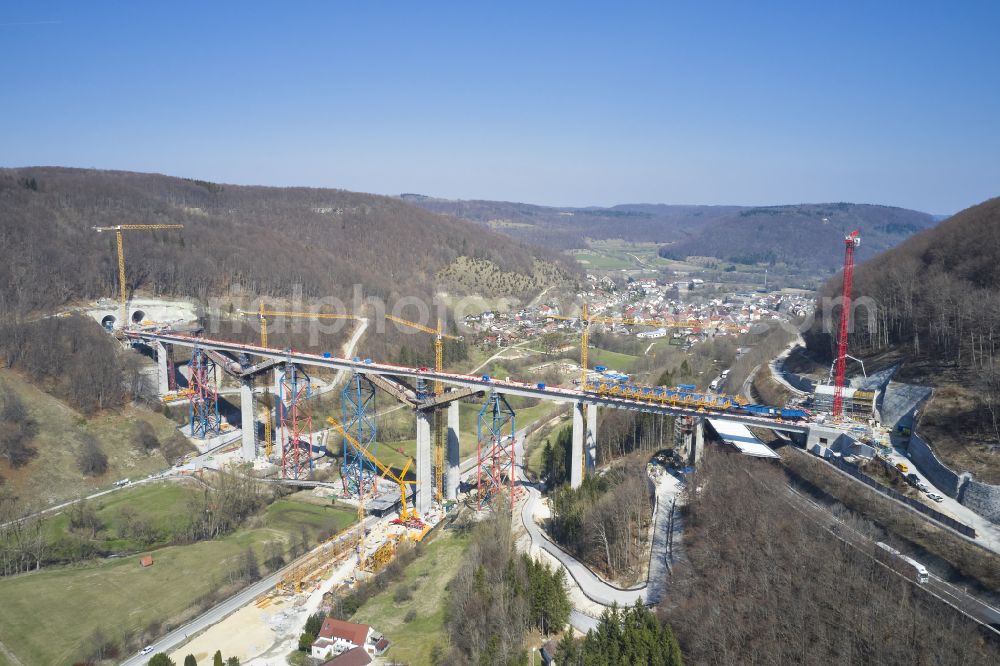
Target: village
[(686, 311)]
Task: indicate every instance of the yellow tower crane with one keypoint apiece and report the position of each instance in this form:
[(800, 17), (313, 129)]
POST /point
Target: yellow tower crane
[(586, 319), (439, 338), (387, 472), (262, 315), (118, 229)]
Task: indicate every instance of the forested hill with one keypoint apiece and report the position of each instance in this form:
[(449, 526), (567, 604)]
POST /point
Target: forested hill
[(262, 239), (937, 294), (932, 304), (791, 234), (801, 235)]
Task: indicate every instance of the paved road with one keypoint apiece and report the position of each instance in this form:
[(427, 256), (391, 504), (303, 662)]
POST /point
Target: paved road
[(207, 619), (498, 355), (987, 533), (593, 587), (952, 595)]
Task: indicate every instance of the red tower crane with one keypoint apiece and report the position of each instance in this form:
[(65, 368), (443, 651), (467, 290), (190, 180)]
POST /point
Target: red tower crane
[(851, 241)]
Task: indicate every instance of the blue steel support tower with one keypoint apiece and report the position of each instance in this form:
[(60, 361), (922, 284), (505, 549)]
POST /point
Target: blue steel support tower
[(496, 432), (358, 406), (203, 405)]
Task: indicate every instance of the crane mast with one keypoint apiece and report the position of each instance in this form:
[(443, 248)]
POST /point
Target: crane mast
[(439, 337), (118, 229), (851, 242)]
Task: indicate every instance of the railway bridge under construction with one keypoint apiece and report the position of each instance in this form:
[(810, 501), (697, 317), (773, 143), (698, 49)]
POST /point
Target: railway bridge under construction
[(252, 364)]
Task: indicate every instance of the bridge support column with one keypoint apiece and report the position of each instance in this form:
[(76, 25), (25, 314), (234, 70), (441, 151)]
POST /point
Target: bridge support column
[(276, 415), (453, 477), (590, 439), (576, 455), (247, 423), (162, 368), (698, 450), (425, 483)]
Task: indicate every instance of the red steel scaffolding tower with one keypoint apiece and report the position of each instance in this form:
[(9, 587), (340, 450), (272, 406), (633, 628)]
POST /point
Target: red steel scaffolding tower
[(851, 242), (294, 405), (496, 451)]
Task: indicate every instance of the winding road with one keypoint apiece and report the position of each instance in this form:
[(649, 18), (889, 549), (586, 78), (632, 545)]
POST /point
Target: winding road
[(593, 587)]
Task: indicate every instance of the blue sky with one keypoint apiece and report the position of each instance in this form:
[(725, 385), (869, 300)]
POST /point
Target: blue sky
[(564, 104)]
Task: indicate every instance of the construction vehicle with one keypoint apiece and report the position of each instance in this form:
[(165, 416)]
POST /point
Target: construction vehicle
[(439, 338), (118, 229)]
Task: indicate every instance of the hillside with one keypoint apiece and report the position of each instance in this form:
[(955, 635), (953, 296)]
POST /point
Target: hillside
[(776, 234), (797, 235), (935, 310), (261, 240)]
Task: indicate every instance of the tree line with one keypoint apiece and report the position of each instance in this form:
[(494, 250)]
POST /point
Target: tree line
[(75, 359), (497, 596), (935, 299), (605, 521), (254, 240), (631, 635), (763, 584)]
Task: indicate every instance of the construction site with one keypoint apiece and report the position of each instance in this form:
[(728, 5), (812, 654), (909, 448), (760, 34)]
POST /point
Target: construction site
[(272, 433)]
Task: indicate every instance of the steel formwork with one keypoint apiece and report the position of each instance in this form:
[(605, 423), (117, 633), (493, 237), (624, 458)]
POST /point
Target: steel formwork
[(295, 422), (203, 400), (358, 411), (495, 435)]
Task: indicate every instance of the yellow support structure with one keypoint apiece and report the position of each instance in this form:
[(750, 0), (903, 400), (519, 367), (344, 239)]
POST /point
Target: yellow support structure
[(118, 229), (399, 479), (439, 337)]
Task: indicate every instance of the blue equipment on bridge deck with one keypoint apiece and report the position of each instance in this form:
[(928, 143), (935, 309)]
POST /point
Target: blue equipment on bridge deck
[(358, 416), (203, 406), (496, 432), (295, 417)]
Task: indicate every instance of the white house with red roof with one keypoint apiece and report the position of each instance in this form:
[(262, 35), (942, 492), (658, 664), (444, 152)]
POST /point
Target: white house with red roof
[(337, 636)]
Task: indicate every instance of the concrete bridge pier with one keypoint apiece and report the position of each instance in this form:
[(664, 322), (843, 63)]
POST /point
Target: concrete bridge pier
[(247, 422), (162, 368), (425, 482), (452, 454), (276, 416), (691, 445), (590, 438), (576, 457)]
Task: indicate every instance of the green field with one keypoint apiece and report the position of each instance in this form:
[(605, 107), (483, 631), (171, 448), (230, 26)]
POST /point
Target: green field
[(611, 360), (388, 452), (158, 504), (427, 577), (121, 598), (617, 255), (52, 476), (294, 515), (118, 596)]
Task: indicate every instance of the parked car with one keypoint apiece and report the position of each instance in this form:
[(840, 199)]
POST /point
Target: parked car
[(936, 498)]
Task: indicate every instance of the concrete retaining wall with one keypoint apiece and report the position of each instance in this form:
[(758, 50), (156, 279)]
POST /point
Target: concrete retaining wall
[(945, 479), (982, 498)]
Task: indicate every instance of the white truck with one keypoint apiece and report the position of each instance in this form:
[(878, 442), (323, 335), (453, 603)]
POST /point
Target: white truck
[(920, 572)]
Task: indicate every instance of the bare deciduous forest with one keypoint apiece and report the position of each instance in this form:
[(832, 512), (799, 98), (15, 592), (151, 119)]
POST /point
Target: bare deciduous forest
[(258, 240), (933, 303), (767, 586)]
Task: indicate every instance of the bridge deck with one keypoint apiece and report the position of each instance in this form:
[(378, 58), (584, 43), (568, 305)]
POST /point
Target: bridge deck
[(526, 389)]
